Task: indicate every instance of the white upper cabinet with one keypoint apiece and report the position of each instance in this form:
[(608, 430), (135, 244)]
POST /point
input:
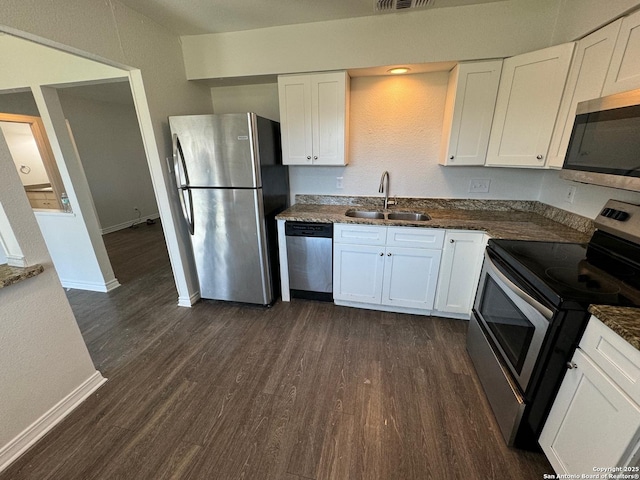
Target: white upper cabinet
[(314, 118), (529, 95), (586, 79), (471, 100), (624, 71)]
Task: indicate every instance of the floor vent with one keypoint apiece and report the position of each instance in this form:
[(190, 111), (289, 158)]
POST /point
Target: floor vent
[(388, 6)]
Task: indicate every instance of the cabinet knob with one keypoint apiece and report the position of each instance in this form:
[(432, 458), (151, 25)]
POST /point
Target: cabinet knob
[(451, 241), (451, 157), (315, 157), (389, 254), (571, 365), (539, 157), (308, 157), (381, 253)]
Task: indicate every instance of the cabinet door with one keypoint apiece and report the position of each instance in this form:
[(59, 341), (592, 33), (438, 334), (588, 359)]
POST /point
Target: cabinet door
[(586, 79), (294, 93), (357, 273), (471, 100), (624, 71), (531, 87), (459, 271), (329, 99), (410, 276), (592, 422)]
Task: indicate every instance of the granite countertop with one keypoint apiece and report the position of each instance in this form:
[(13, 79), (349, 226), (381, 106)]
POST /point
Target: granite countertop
[(10, 275), (524, 220), (625, 321), (500, 219)]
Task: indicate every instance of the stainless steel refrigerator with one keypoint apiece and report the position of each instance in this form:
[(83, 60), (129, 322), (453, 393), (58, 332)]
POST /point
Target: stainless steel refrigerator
[(231, 184)]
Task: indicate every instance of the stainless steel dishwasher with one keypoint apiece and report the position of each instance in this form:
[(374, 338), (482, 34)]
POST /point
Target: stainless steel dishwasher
[(310, 258)]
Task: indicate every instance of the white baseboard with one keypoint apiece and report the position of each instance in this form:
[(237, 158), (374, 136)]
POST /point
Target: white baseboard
[(128, 223), (91, 286), (112, 285), (188, 301), (16, 261), (28, 437)]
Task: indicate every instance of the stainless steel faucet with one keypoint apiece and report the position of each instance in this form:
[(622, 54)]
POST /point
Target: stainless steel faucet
[(384, 187)]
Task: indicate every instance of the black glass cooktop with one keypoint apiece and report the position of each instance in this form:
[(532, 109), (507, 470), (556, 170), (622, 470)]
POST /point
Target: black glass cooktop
[(571, 275)]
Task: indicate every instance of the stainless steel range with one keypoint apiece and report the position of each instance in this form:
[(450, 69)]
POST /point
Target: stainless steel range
[(531, 310)]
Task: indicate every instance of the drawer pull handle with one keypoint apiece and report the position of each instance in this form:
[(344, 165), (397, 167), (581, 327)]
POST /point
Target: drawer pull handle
[(571, 365)]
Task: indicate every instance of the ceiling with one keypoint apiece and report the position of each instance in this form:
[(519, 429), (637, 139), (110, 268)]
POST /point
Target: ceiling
[(194, 17)]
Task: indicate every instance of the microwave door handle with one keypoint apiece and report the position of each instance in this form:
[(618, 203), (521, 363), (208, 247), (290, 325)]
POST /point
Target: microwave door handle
[(546, 312)]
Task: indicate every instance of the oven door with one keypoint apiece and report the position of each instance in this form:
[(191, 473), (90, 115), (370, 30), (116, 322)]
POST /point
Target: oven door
[(513, 318)]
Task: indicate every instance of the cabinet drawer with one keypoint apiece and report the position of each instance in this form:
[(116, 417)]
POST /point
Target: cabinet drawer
[(616, 357), (359, 234), (415, 237)]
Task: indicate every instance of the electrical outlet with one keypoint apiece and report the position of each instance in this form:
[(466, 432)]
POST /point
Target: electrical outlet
[(479, 185), (571, 194), (339, 182)]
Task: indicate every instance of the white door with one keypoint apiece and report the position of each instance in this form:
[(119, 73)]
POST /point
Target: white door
[(471, 100), (328, 107), (357, 273), (586, 79), (459, 271), (410, 277), (591, 423), (624, 72), (531, 87), (294, 94)]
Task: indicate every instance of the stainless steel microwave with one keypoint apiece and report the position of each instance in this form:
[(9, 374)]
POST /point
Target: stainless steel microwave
[(605, 142)]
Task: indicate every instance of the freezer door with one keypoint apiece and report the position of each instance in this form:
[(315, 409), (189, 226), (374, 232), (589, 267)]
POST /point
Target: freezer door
[(218, 150), (230, 246)]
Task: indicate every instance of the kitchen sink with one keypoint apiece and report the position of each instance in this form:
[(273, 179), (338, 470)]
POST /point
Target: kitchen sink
[(373, 214), (412, 216), (364, 214)]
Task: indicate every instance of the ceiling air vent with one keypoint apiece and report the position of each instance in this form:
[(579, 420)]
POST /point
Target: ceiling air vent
[(388, 6)]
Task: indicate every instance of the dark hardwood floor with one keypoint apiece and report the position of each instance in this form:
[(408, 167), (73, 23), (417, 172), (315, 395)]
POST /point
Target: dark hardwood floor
[(302, 390)]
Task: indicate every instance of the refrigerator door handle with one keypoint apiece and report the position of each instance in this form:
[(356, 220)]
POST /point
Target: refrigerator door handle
[(180, 166)]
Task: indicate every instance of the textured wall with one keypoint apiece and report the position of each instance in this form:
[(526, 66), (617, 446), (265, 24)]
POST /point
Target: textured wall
[(396, 125), (108, 138), (491, 30), (42, 354)]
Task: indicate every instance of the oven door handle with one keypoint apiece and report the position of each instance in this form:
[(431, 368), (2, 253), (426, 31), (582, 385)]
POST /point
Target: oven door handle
[(544, 311)]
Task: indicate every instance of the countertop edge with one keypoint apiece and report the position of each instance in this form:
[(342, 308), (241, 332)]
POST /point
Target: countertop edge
[(12, 275), (625, 321)]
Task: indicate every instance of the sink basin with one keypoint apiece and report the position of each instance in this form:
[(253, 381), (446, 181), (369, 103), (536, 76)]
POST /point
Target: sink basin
[(364, 214), (412, 216)]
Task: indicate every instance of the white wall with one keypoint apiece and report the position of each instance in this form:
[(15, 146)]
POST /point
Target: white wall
[(43, 357), (78, 248), (108, 138), (111, 32), (395, 125), (576, 18), (261, 99), (490, 30)]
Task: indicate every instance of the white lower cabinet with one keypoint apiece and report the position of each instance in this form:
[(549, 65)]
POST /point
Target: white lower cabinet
[(398, 275), (460, 268), (357, 272), (595, 419)]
